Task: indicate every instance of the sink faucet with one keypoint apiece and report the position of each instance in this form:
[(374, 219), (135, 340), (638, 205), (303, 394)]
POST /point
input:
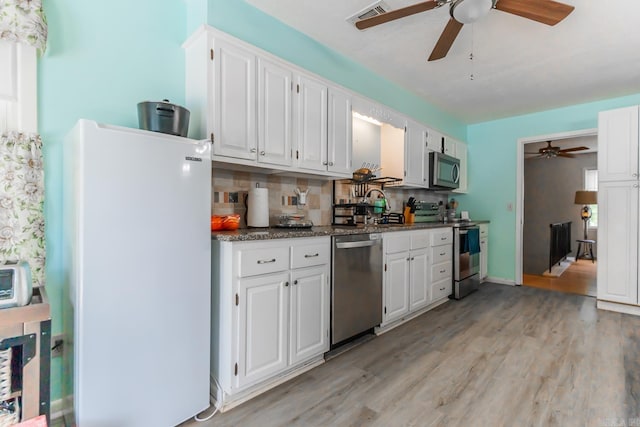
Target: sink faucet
[(387, 208)]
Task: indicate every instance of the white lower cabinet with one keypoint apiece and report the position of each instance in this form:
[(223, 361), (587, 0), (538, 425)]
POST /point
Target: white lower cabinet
[(484, 251), (412, 261), (262, 327), (270, 313), (309, 313)]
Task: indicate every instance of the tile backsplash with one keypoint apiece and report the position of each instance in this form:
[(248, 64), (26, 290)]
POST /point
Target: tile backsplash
[(230, 189)]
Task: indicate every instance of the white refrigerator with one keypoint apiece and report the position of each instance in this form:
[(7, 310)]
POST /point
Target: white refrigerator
[(137, 207)]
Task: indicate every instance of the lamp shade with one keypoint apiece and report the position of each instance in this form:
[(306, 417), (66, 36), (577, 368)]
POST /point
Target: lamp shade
[(586, 198)]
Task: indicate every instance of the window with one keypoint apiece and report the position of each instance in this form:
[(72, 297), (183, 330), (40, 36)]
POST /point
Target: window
[(591, 184), (18, 102)]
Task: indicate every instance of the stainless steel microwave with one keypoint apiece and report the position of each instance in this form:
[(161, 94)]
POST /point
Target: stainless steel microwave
[(444, 171)]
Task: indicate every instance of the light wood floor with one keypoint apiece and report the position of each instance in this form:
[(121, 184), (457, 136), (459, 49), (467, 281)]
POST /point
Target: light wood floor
[(579, 278), (503, 356)]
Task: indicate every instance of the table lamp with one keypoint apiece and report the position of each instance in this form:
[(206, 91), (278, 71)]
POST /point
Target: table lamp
[(586, 198)]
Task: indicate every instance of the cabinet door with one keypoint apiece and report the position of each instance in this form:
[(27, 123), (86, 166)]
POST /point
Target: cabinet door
[(461, 153), (274, 113), (234, 115), (434, 140), (618, 241), (484, 257), (263, 330), (309, 316), (414, 154), (339, 144), (396, 286), (449, 146), (311, 123), (419, 295), (618, 144)]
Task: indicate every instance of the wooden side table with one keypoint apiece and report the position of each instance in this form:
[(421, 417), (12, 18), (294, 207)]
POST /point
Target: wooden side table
[(588, 246), (27, 332)]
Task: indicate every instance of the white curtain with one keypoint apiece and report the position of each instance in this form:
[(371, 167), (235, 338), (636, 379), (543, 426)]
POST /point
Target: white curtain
[(22, 201)]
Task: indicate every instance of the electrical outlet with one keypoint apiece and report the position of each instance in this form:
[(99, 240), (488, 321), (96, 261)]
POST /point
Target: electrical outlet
[(57, 343)]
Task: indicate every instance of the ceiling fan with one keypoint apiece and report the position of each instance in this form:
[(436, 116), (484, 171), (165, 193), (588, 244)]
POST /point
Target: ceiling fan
[(550, 151), (468, 11)]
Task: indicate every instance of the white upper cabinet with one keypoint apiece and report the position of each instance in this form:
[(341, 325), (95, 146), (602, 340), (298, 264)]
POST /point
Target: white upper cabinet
[(234, 101), (415, 150), (618, 144), (274, 113), (339, 144), (311, 123), (434, 140), (461, 154)]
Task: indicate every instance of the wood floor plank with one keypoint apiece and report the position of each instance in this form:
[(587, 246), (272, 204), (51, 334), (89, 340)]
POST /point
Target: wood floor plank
[(503, 356)]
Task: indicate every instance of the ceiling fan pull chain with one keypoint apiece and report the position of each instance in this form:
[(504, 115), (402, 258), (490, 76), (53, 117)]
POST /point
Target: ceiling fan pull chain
[(471, 54)]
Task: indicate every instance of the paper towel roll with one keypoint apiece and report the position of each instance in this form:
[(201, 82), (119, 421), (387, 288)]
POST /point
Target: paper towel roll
[(258, 207)]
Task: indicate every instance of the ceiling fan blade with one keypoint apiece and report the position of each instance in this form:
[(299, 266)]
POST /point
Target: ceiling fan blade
[(565, 155), (446, 39), (396, 14), (568, 150), (546, 11)]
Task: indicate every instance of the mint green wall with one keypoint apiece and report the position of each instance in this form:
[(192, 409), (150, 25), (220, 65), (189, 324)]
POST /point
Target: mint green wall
[(245, 22), (103, 57), (492, 148)]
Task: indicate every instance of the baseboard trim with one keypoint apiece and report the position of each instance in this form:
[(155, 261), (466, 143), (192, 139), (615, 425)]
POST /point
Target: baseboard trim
[(231, 401), (500, 281), (389, 326), (618, 308)]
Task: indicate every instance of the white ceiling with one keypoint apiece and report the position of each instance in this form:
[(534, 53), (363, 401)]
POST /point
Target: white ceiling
[(519, 66)]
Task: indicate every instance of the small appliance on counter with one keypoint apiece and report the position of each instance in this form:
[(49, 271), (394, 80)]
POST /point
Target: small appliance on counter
[(427, 212), (15, 284), (293, 221)]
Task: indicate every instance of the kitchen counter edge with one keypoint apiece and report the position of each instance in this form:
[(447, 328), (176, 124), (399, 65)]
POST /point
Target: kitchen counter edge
[(250, 234)]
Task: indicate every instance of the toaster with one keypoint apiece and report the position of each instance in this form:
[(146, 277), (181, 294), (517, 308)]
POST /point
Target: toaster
[(15, 284)]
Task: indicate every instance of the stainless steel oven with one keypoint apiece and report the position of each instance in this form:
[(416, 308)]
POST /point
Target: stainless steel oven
[(466, 259)]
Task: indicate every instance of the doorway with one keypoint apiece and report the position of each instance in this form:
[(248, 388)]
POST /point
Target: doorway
[(546, 185)]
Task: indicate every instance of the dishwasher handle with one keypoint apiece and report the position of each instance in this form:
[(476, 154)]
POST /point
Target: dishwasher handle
[(362, 244)]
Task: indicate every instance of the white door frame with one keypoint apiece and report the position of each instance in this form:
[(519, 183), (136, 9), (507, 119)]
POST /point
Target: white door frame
[(520, 185)]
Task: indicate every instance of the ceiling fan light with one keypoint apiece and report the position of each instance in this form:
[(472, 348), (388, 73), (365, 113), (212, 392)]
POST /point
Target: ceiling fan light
[(469, 11)]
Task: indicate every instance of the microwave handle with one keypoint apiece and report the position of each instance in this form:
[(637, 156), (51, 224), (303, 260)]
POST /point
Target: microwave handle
[(455, 173)]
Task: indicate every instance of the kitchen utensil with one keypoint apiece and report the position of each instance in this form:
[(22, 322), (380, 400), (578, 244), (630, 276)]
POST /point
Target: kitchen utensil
[(163, 117)]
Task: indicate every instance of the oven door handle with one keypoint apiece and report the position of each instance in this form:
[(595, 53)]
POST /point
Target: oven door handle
[(350, 245)]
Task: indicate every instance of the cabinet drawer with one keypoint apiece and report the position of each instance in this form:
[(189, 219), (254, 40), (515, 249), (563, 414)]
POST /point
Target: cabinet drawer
[(441, 290), (440, 272), (443, 237), (420, 239), (441, 254), (263, 260), (309, 255), (397, 242)]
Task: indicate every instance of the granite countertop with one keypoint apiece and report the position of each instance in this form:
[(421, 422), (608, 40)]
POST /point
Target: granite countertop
[(249, 234)]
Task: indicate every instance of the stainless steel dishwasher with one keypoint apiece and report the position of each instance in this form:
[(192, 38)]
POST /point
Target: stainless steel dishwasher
[(356, 286)]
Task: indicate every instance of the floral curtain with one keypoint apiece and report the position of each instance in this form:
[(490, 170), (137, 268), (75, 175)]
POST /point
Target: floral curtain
[(23, 21), (22, 201)]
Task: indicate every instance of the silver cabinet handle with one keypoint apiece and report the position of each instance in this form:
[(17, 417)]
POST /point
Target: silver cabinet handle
[(253, 150), (442, 271), (266, 261), (442, 289), (311, 256), (408, 259), (325, 163), (635, 175), (635, 185), (443, 238), (295, 282), (330, 163), (286, 283), (412, 258), (443, 253), (262, 153)]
